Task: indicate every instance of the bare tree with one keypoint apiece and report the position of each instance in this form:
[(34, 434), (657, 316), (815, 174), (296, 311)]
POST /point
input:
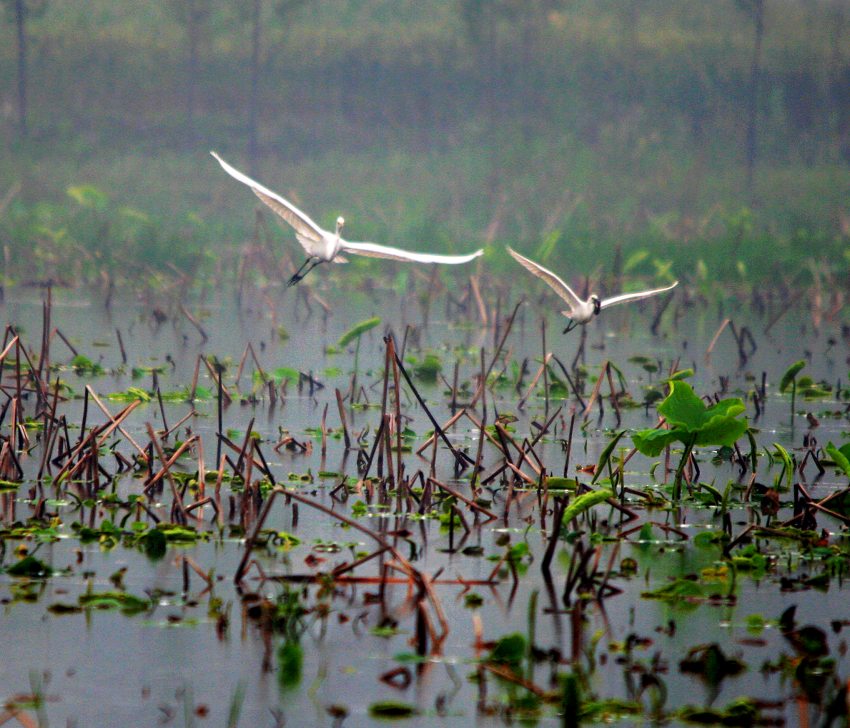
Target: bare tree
[(192, 14), (755, 10), (19, 11), (252, 12)]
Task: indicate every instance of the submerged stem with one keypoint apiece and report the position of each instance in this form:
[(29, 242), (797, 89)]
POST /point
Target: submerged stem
[(677, 483)]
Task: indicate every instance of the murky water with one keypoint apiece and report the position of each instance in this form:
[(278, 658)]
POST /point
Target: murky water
[(179, 664)]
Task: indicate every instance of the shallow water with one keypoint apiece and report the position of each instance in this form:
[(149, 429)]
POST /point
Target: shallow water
[(166, 663)]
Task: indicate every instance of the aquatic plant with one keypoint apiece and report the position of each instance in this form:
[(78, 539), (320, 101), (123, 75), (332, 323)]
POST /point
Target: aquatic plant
[(692, 423), (789, 379)]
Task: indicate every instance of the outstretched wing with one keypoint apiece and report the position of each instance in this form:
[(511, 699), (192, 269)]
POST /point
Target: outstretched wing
[(555, 283), (305, 229), (626, 297), (374, 250)]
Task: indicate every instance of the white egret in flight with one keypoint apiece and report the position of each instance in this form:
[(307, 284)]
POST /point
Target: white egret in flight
[(323, 246), (581, 312)]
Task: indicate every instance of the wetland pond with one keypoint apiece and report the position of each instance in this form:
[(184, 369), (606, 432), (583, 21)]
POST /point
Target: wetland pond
[(184, 550)]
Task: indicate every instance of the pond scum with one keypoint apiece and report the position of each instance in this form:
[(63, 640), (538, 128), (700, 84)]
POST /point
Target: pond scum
[(105, 478)]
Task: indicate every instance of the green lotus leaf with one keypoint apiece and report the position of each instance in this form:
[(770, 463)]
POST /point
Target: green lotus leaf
[(652, 442)]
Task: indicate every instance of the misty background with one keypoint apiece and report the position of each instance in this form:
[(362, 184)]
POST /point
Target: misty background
[(677, 130)]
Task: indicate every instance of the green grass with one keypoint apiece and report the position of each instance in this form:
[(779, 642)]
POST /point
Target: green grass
[(179, 208)]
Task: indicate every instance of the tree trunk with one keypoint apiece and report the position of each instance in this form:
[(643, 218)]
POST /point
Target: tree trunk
[(254, 102), (755, 78), (192, 30), (20, 22)]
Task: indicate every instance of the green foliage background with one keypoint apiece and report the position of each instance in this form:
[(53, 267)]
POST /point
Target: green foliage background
[(561, 127)]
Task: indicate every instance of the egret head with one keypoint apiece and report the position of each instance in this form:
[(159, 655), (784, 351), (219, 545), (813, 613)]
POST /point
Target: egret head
[(597, 304), (340, 221)]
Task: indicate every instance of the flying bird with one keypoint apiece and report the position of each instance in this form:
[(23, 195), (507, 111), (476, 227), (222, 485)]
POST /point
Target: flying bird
[(581, 312), (323, 246)]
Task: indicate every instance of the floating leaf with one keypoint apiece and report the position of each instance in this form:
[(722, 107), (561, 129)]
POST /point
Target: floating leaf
[(131, 395), (606, 455), (840, 456), (282, 374), (83, 365), (127, 603), (509, 650), (680, 374), (155, 544), (357, 331), (428, 369), (392, 709), (790, 374), (556, 483), (679, 590), (29, 566), (585, 502)]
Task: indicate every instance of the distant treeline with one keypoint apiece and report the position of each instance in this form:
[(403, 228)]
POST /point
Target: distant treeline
[(584, 116), (600, 68)]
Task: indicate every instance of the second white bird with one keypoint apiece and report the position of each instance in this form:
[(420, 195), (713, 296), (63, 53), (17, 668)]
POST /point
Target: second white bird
[(581, 312)]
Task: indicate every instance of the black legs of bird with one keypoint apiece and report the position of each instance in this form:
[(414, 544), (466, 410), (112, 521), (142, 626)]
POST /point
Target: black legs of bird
[(298, 275), (570, 326)]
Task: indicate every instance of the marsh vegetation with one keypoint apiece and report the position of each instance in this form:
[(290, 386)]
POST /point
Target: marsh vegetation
[(399, 492)]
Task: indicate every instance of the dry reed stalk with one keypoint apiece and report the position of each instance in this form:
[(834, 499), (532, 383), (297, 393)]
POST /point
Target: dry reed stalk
[(510, 676), (542, 371), (202, 476), (73, 462), (566, 374), (238, 450), (459, 496), (394, 359), (239, 368), (178, 499), (183, 419), (195, 323), (166, 465), (120, 345), (338, 571), (8, 348), (165, 429), (433, 438), (67, 343), (324, 428), (483, 382), (505, 435), (244, 448), (595, 393), (656, 321), (614, 399), (479, 302), (111, 419), (460, 457), (217, 379), (194, 388), (716, 336), (346, 437)]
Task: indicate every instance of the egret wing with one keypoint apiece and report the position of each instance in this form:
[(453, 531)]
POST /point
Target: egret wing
[(373, 250), (554, 282), (627, 297), (305, 228)]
